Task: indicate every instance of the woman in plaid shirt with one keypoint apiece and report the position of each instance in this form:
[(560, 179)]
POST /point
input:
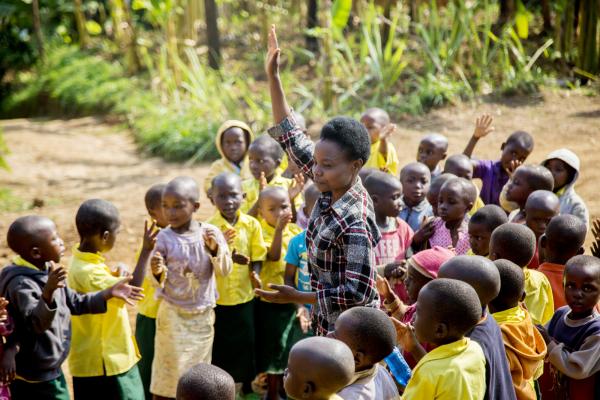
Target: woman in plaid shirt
[(342, 231)]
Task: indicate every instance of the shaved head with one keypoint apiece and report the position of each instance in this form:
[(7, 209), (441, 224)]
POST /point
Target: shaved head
[(184, 186), (228, 179), (477, 271), (27, 232)]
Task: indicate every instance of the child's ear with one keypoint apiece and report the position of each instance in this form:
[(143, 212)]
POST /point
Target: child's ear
[(308, 389), (503, 146), (544, 241), (580, 251), (359, 358), (441, 330), (444, 155), (105, 235), (35, 253), (523, 297), (375, 198), (197, 205), (357, 165)]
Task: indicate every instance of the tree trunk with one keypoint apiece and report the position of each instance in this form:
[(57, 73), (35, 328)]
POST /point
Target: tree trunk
[(80, 22), (587, 59), (212, 34), (312, 21), (37, 27)]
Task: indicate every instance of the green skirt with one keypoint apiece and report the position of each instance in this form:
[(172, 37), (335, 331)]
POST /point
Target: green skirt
[(274, 336), (125, 386), (55, 389), (233, 347), (145, 330)]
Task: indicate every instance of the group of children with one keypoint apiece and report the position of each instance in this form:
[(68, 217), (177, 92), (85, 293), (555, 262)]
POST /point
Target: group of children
[(482, 291)]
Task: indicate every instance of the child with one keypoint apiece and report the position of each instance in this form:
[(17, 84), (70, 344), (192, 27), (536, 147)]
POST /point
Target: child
[(481, 226), (433, 194), (563, 240), (564, 166), (415, 178), (113, 364), (41, 306), (371, 336), (145, 323), (461, 166), (232, 141), (446, 310), (188, 255), (516, 243), (207, 382), (311, 194), (482, 275), (274, 322), (540, 208), (526, 180), (234, 344), (318, 367), (297, 273), (433, 148), (494, 174), (343, 275), (524, 346), (265, 156), (573, 334), (383, 154), (450, 228), (386, 191)]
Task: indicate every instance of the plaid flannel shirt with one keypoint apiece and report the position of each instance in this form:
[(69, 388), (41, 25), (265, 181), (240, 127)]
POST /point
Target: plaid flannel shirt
[(339, 240)]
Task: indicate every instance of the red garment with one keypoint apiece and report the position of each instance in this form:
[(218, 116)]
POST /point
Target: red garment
[(393, 244), (554, 273), (535, 261)]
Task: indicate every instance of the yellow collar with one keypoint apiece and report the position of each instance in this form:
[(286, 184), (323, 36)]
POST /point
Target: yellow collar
[(222, 223), (513, 315), (92, 258), (446, 350), (21, 262)]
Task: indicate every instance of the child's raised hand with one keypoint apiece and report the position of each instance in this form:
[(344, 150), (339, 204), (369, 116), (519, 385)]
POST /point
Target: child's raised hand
[(157, 264), (284, 219), (57, 279), (230, 235), (483, 126), (304, 318), (405, 335), (384, 288), (387, 131), (210, 241), (122, 290), (255, 280), (239, 258), (273, 52), (297, 186), (150, 233), (262, 182), (513, 165), (596, 232)]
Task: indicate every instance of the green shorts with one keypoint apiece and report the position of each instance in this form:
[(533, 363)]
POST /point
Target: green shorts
[(56, 389), (125, 386)]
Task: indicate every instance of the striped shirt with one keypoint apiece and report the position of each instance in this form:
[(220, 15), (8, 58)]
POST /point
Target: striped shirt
[(339, 240)]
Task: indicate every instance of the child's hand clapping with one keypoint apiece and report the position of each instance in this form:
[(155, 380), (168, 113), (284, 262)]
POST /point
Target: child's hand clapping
[(304, 318), (157, 264), (122, 290), (255, 280), (57, 277), (425, 232), (150, 234), (483, 126), (230, 235), (239, 258), (384, 289), (284, 219), (387, 131), (406, 337), (262, 182), (297, 186), (211, 243)]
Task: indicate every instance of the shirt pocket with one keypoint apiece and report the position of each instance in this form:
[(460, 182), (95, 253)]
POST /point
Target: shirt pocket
[(325, 251)]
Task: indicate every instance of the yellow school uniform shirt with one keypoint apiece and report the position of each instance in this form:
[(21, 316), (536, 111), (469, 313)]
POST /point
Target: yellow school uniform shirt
[(236, 287), (224, 165), (389, 163), (538, 296), (100, 342), (452, 371), (274, 271), (251, 189), (476, 206)]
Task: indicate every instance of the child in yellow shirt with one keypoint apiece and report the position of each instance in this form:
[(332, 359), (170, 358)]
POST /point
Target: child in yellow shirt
[(447, 309), (145, 322), (274, 321), (104, 354), (383, 154), (232, 141), (265, 157), (516, 243), (233, 348)]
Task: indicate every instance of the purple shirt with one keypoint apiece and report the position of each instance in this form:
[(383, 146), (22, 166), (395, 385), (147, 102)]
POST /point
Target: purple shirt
[(493, 178)]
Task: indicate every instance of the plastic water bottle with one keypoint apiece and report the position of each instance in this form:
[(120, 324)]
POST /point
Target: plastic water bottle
[(398, 366)]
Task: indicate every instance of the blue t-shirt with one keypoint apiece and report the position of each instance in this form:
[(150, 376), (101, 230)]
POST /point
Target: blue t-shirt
[(296, 255), (498, 380)]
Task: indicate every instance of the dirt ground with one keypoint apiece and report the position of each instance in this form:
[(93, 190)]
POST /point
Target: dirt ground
[(60, 163)]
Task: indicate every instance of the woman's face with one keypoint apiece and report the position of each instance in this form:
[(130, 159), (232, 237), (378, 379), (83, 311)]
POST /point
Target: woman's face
[(332, 170)]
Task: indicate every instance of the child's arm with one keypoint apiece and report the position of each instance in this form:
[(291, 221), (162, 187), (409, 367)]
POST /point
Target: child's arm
[(219, 251), (386, 132), (148, 244), (579, 364), (290, 275), (262, 183), (483, 127), (298, 146), (407, 339), (391, 302), (274, 253), (254, 272)]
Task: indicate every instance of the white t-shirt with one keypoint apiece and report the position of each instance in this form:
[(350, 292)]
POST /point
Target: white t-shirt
[(375, 385)]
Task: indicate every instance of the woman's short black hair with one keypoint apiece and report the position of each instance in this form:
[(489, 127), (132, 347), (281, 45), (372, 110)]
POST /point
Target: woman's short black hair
[(96, 216), (350, 135)]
